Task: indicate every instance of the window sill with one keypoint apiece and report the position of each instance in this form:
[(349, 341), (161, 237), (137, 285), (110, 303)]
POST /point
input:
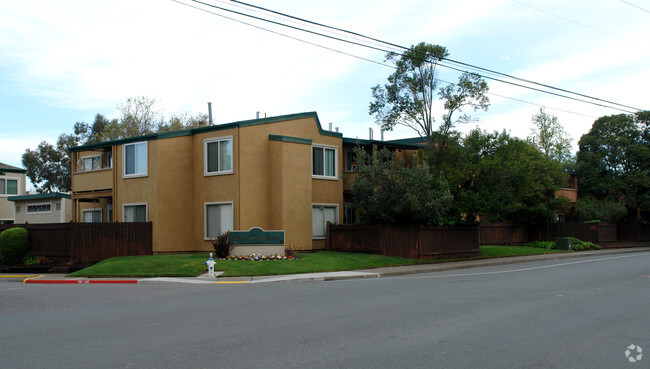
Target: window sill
[(212, 174), (126, 176), (325, 178)]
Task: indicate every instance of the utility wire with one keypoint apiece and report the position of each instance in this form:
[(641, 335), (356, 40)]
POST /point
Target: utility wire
[(572, 21), (445, 59), (636, 6), (371, 47)]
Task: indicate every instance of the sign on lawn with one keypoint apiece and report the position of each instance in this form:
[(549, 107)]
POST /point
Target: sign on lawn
[(257, 236)]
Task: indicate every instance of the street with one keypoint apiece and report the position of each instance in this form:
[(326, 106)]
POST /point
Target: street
[(577, 313)]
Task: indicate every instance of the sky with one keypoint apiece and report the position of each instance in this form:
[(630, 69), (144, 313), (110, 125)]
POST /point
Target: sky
[(66, 61)]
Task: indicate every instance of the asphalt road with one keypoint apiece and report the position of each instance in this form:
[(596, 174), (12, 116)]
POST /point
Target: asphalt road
[(577, 313)]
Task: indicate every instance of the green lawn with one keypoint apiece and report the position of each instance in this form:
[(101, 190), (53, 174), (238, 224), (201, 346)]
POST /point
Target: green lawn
[(192, 265)]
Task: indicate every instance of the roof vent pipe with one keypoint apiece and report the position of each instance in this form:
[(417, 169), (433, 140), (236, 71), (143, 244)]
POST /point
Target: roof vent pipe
[(370, 133), (337, 129), (209, 113), (257, 115), (330, 126), (382, 134)]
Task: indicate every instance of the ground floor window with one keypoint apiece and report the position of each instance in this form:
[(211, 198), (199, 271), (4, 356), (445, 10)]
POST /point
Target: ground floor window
[(135, 213), (320, 215), (218, 218), (92, 215), (39, 208)]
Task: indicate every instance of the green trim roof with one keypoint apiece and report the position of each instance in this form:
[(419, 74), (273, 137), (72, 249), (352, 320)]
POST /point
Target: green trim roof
[(11, 169), (218, 127), (388, 144), (40, 196)]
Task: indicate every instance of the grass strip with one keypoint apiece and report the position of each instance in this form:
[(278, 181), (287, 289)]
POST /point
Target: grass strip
[(192, 265)]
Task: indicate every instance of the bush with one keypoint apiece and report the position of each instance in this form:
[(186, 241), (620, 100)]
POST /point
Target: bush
[(222, 245), (541, 244), (589, 209), (14, 245), (579, 245)]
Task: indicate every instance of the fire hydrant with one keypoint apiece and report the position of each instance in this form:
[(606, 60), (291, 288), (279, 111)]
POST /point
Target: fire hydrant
[(210, 263)]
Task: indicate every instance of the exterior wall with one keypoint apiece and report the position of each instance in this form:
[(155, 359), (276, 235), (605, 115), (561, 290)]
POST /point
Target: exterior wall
[(7, 207), (271, 184), (63, 215)]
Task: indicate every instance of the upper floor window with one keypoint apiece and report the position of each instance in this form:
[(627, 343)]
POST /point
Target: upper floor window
[(135, 159), (218, 156), (91, 163), (8, 186), (324, 162)]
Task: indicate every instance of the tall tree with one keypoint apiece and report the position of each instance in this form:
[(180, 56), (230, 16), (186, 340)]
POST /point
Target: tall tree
[(614, 161), (409, 96), (48, 166), (138, 117), (549, 137), (386, 191)]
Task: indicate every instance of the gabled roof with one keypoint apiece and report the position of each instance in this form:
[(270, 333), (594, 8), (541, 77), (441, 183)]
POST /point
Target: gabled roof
[(40, 196), (8, 168), (216, 127)]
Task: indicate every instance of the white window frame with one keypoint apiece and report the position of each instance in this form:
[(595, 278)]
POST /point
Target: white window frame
[(319, 205), (205, 155), (101, 214), (336, 162), (146, 169), (5, 194), (146, 210), (27, 205), (205, 215)]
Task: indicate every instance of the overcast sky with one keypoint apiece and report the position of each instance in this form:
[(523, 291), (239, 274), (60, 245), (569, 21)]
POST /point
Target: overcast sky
[(64, 61)]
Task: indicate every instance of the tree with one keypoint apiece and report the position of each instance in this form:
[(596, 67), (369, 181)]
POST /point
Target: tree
[(613, 161), (550, 138), (386, 191), (500, 178), (48, 167), (408, 97), (138, 118)]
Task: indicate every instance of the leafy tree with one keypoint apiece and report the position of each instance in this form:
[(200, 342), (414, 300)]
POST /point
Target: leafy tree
[(590, 209), (138, 118), (49, 167), (386, 191), (550, 138), (500, 178), (613, 161), (182, 121), (408, 97)]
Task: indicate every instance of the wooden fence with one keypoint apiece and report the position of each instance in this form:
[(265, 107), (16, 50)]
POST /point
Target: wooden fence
[(604, 234), (410, 241), (77, 243)]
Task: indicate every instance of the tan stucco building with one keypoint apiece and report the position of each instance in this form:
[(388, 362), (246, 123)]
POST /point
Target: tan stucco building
[(12, 183), (277, 173)]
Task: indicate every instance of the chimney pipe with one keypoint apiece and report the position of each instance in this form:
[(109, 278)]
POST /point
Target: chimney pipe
[(257, 115), (209, 113), (370, 133), (337, 129), (330, 126), (382, 134)]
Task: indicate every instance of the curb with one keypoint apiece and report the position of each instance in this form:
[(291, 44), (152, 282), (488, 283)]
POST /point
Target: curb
[(81, 281)]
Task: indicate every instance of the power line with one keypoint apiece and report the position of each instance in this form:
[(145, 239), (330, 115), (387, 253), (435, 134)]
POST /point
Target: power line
[(447, 59), (572, 21), (389, 51), (636, 6)]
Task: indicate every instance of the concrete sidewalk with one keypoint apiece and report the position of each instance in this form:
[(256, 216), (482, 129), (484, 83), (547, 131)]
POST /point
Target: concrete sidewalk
[(327, 276)]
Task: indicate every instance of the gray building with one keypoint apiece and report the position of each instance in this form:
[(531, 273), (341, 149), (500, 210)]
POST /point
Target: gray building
[(42, 208)]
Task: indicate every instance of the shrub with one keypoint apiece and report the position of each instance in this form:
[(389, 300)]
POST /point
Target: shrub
[(541, 244), (222, 245), (589, 209), (579, 245), (14, 245)]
